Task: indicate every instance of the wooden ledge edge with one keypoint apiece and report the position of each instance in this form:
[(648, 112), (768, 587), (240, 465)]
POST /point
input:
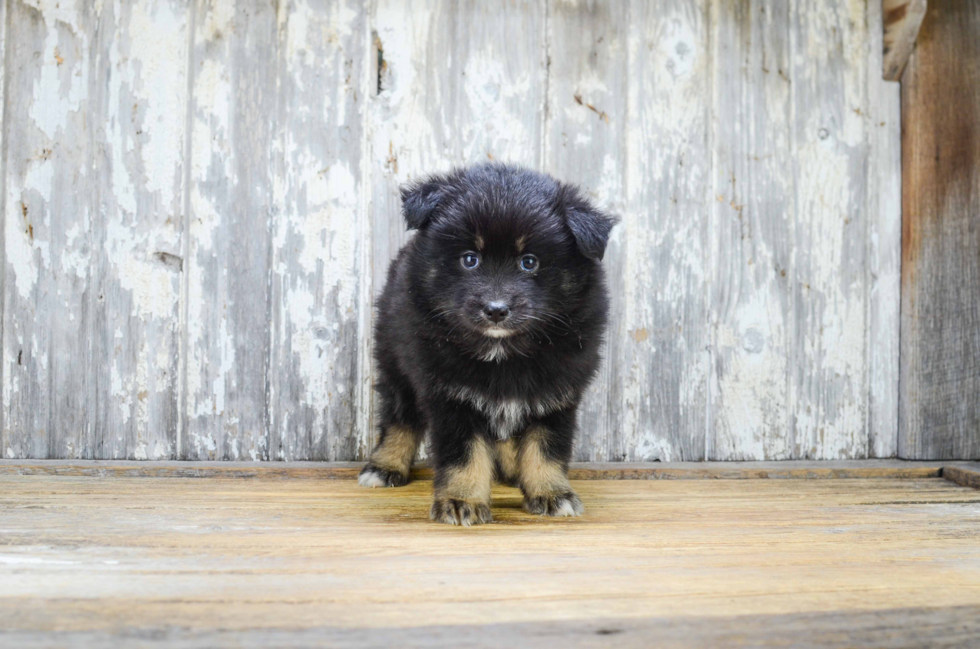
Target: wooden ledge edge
[(776, 470), (967, 475)]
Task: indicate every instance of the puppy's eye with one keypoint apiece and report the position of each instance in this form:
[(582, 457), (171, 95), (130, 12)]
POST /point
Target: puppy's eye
[(529, 263), (470, 260)]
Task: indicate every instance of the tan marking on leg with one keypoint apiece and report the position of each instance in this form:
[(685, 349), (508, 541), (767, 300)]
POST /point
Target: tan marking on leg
[(507, 460), (520, 243), (470, 481), (462, 493), (543, 480), (397, 450), (539, 475)]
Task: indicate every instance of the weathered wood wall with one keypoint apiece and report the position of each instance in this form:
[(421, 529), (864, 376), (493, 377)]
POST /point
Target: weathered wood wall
[(940, 387), (201, 200)]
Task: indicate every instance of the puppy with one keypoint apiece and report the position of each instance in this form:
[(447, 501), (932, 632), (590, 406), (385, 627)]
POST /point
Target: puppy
[(488, 333)]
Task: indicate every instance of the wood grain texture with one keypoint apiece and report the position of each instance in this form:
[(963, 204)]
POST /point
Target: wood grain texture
[(829, 134), (664, 365), (4, 436), (790, 282), (94, 188), (50, 377), (940, 344), (967, 475), (292, 562), (231, 213), (221, 309), (585, 142), (896, 628), (752, 207), (884, 243), (901, 20), (317, 246)]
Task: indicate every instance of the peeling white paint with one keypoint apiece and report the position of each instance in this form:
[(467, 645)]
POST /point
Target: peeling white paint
[(74, 257), (153, 284), (121, 393), (60, 90), (160, 45), (40, 176), (215, 403), (652, 449), (19, 251), (492, 94)]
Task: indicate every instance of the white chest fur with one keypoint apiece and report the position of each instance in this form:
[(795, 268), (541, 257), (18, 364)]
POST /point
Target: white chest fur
[(506, 416)]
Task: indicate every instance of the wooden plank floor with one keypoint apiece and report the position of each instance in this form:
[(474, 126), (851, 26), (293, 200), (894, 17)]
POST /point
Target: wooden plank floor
[(217, 561)]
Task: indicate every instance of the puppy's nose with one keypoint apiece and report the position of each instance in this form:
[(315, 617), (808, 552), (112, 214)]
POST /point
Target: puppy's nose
[(496, 311)]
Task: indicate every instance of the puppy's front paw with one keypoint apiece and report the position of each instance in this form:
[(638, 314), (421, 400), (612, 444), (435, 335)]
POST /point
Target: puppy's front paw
[(374, 476), (460, 512), (566, 504)]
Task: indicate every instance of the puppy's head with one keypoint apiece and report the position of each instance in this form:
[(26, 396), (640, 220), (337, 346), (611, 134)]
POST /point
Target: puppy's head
[(503, 251)]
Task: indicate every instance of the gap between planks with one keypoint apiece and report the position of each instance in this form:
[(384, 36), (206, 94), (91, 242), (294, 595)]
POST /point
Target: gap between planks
[(962, 473)]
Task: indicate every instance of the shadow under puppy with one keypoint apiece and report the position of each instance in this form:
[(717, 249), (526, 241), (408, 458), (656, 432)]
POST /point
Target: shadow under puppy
[(488, 333)]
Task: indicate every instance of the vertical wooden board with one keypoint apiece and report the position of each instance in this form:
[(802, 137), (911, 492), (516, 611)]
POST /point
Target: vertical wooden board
[(3, 253), (229, 247), (665, 380), (139, 131), (52, 298), (752, 201), (316, 280), (830, 135), (456, 84), (940, 321), (885, 253), (884, 243), (585, 136), (93, 182)]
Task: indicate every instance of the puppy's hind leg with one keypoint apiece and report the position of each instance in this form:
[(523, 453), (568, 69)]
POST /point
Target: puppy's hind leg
[(402, 431), (391, 460)]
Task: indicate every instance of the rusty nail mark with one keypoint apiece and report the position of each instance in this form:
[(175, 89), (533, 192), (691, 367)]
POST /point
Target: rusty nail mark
[(392, 158), (602, 114)]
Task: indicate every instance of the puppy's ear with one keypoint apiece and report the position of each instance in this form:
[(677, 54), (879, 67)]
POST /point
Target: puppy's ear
[(589, 225), (420, 200)]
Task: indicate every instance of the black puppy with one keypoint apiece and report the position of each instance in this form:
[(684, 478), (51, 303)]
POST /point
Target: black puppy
[(488, 333)]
